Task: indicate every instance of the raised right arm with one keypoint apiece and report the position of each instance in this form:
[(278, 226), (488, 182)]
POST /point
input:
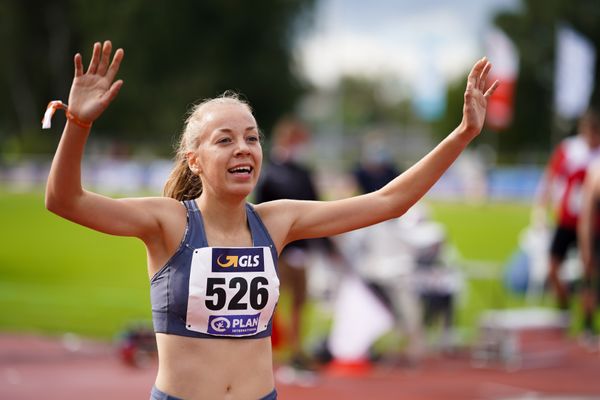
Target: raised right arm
[(91, 93)]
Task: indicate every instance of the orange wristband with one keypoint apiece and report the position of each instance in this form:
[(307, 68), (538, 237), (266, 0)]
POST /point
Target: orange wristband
[(59, 105), (74, 119)]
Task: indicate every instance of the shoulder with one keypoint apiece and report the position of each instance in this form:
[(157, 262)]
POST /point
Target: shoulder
[(267, 209), (277, 217), (170, 216), (169, 206), (165, 210), (273, 207), (157, 203)]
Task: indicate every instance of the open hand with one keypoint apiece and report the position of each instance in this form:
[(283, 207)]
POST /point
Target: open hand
[(92, 91), (476, 99)]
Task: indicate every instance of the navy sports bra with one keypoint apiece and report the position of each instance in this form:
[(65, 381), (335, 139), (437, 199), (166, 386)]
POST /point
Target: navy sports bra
[(209, 292)]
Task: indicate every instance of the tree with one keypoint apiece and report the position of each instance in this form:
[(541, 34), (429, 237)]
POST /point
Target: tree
[(32, 37), (532, 28), (176, 53), (534, 32)]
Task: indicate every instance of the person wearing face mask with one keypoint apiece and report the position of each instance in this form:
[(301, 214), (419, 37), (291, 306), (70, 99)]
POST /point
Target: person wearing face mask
[(212, 256), (286, 176), (376, 167)]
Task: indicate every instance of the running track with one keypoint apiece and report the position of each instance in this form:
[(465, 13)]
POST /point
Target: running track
[(42, 368)]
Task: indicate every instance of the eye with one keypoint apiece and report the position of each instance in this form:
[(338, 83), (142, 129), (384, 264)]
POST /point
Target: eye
[(253, 138), (224, 140)]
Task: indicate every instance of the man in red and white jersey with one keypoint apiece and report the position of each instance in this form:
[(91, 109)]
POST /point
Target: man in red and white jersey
[(589, 248), (562, 187)]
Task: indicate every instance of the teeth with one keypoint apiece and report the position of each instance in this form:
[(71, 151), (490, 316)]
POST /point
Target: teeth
[(246, 170)]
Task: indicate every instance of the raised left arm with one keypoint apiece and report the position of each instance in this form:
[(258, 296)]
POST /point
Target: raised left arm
[(294, 220)]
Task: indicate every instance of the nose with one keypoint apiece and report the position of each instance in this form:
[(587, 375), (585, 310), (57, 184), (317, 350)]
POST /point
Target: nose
[(242, 147)]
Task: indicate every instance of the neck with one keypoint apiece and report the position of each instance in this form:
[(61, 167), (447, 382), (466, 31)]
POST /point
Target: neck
[(225, 214)]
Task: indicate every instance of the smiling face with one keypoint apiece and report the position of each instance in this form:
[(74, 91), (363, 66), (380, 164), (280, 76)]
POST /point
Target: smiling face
[(227, 154)]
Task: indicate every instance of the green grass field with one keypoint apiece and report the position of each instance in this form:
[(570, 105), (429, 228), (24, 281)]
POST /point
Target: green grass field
[(58, 277), (486, 235)]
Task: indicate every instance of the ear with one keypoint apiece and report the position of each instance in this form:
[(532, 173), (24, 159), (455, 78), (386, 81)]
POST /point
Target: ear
[(193, 163)]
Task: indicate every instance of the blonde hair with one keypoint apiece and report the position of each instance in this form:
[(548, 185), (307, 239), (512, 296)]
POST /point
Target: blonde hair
[(183, 183)]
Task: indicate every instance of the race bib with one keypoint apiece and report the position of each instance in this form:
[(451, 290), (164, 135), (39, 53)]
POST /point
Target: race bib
[(233, 291)]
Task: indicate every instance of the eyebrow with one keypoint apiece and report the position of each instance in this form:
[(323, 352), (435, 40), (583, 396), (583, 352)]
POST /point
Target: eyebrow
[(229, 130)]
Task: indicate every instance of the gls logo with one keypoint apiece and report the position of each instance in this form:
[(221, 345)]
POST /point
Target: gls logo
[(242, 261), (237, 259)]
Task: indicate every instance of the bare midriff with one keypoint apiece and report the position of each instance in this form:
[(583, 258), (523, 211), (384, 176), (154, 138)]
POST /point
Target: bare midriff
[(194, 369)]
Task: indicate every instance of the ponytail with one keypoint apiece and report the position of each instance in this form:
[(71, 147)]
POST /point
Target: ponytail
[(182, 183)]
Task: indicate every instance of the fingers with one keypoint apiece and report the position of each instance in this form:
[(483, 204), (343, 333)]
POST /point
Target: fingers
[(478, 77), (492, 88), (112, 92), (116, 63), (93, 67), (475, 74), (484, 74), (78, 65), (100, 60), (105, 58)]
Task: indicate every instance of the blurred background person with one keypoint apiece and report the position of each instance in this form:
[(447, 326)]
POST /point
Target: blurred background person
[(376, 167), (381, 254), (561, 188), (286, 176), (589, 245), (404, 263), (384, 262)]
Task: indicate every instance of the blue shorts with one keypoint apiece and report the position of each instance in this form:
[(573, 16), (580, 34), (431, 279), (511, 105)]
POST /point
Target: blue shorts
[(156, 394)]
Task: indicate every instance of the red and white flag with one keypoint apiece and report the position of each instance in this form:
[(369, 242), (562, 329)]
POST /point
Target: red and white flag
[(504, 57)]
